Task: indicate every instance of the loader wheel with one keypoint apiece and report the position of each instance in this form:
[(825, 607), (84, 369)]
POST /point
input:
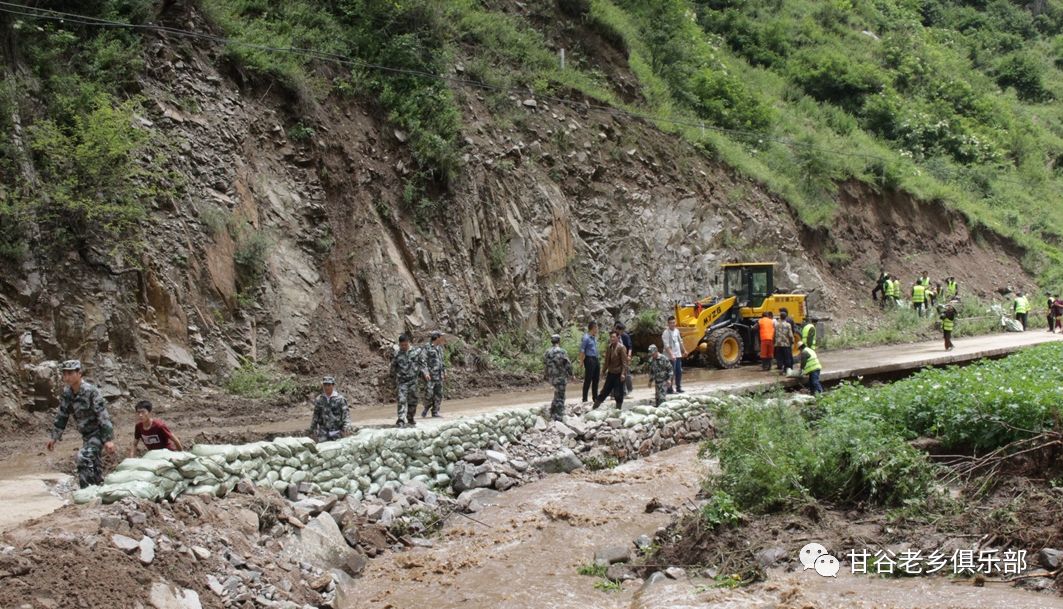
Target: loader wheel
[(725, 348)]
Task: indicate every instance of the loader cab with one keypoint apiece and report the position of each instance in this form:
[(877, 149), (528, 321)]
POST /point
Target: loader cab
[(750, 282)]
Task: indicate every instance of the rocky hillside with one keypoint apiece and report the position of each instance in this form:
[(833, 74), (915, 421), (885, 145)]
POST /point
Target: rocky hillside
[(174, 205)]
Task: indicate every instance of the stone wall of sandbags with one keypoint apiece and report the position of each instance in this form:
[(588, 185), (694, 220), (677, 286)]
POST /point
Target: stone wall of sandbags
[(363, 464)]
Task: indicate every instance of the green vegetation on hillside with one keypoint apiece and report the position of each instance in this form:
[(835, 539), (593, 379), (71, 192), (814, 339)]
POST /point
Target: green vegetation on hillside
[(946, 100), (950, 101), (75, 167)]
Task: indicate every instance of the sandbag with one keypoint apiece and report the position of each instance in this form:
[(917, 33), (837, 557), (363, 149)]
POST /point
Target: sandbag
[(207, 450), (194, 469), (155, 466), (177, 458), (142, 490), (130, 475), (86, 494), (214, 469)]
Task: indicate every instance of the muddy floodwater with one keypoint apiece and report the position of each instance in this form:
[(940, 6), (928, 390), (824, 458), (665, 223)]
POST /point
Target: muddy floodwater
[(533, 539)]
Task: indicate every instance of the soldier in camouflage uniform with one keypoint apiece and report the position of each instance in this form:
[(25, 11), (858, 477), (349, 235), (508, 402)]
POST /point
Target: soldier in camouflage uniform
[(558, 369), (433, 387), (660, 374), (406, 367), (83, 400), (332, 418)]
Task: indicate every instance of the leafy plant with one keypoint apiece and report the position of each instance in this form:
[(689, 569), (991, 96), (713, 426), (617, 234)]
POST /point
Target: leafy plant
[(606, 585), (254, 380), (721, 510), (301, 133), (592, 569)]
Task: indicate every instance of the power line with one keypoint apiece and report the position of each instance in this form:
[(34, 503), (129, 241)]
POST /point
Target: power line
[(54, 15)]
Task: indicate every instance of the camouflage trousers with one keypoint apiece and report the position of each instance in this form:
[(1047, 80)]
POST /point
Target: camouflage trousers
[(90, 464), (324, 435), (557, 405), (433, 396), (660, 392), (407, 400)]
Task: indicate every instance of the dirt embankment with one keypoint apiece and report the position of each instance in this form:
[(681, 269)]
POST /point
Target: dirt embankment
[(1010, 507)]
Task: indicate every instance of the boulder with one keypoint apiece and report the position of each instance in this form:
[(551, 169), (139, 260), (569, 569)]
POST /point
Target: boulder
[(675, 573), (495, 456), (619, 572), (147, 550), (655, 577), (1050, 558), (322, 543), (643, 541), (125, 544), (770, 556), (474, 500), (563, 462), (612, 554), (166, 596)]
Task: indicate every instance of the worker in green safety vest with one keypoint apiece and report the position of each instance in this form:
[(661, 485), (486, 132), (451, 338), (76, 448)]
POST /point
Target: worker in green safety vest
[(811, 368), (924, 280), (808, 335), (919, 298), (948, 324), (1020, 308)]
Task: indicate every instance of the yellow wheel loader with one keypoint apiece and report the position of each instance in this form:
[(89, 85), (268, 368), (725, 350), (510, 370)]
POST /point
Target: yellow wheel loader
[(722, 330)]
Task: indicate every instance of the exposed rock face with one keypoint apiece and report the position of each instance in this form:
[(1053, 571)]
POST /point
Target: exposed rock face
[(621, 218)]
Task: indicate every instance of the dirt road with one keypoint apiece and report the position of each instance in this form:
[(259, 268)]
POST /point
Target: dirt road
[(26, 475)]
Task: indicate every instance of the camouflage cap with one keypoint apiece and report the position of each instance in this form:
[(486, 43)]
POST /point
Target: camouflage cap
[(555, 338), (328, 380), (653, 349), (70, 364)]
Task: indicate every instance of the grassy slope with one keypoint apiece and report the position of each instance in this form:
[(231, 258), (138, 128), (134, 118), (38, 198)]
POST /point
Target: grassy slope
[(942, 100)]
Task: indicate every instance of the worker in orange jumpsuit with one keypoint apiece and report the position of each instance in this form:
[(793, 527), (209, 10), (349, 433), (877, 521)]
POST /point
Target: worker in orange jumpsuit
[(766, 325)]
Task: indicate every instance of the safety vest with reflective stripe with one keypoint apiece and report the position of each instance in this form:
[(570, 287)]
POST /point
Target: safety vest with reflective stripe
[(918, 293), (947, 324), (1022, 305), (812, 363), (950, 289), (808, 335), (924, 281), (890, 288)]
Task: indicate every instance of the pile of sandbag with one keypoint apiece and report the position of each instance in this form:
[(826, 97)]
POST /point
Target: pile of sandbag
[(359, 465)]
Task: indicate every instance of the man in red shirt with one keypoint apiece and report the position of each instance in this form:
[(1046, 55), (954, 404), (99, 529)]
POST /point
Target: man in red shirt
[(151, 431)]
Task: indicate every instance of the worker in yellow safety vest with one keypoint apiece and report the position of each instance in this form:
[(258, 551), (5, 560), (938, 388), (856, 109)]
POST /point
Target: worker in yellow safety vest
[(952, 289), (808, 335), (919, 298), (892, 292), (1021, 308), (948, 324), (811, 368), (924, 280)]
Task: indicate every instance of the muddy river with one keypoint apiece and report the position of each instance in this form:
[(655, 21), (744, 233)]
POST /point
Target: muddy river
[(533, 540)]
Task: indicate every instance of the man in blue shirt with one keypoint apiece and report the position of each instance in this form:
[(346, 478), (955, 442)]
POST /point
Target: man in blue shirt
[(588, 358)]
